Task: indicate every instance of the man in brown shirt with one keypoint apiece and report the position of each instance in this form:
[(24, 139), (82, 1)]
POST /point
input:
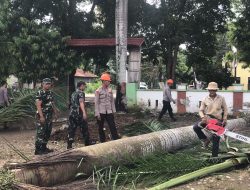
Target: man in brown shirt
[(105, 108), (212, 106)]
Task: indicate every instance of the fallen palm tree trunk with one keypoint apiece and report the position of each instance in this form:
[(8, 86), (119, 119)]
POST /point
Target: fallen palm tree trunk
[(78, 185), (202, 172), (62, 167)]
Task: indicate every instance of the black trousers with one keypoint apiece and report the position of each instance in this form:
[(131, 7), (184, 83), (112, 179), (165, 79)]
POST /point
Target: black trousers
[(75, 122), (166, 107), (202, 136), (110, 120)]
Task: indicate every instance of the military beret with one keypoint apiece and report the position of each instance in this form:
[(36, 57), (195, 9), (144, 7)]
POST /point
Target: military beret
[(47, 80)]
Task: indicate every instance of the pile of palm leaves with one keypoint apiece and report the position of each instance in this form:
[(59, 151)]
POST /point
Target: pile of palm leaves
[(23, 105)]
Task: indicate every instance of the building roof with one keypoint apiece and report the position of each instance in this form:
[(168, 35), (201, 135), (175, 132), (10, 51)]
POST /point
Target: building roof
[(84, 74), (102, 42)]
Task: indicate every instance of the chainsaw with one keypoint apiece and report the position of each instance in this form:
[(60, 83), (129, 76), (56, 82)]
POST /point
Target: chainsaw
[(216, 127)]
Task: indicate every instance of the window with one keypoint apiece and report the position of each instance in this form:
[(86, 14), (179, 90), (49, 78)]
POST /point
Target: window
[(248, 84), (237, 79)]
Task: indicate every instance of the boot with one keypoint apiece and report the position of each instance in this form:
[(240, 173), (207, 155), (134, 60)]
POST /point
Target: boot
[(69, 145), (39, 150)]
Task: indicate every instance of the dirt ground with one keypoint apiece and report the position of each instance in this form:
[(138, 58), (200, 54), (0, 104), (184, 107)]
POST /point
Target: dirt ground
[(23, 139)]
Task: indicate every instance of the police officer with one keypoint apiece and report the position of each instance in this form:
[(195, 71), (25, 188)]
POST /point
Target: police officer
[(105, 108), (45, 109), (78, 115)]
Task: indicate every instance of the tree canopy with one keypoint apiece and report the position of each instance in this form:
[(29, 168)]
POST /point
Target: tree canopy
[(33, 35)]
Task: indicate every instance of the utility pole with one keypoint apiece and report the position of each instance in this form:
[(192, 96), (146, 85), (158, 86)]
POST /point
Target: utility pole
[(121, 27)]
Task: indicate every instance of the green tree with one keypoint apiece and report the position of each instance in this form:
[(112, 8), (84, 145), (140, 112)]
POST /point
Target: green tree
[(192, 22), (41, 52), (242, 32), (5, 42)]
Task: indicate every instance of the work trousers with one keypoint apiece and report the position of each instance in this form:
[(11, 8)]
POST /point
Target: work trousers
[(110, 120), (74, 122), (166, 107), (202, 136)]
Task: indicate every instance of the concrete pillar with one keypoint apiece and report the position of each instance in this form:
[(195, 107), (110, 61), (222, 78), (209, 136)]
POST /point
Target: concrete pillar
[(181, 98), (237, 98), (134, 65)]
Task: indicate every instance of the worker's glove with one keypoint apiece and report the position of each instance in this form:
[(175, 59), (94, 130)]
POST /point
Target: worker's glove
[(224, 123)]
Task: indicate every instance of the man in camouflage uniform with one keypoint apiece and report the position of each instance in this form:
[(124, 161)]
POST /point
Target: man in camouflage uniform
[(105, 108), (45, 109), (78, 115)]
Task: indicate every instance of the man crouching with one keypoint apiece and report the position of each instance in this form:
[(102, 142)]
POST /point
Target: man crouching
[(212, 106)]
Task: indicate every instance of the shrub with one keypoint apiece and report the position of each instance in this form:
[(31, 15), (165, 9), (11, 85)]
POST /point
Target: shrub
[(91, 87)]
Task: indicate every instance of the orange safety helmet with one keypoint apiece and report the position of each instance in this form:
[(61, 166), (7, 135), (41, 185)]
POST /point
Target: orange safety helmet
[(106, 77), (170, 81)]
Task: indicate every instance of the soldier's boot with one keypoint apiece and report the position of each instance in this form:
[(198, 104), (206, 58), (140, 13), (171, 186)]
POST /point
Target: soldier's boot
[(39, 150), (70, 142), (47, 150), (69, 145)]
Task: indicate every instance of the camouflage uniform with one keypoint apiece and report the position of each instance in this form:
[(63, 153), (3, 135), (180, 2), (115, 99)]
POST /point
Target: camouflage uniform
[(76, 119), (43, 130)]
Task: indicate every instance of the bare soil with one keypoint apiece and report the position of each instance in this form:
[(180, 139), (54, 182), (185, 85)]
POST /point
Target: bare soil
[(23, 139)]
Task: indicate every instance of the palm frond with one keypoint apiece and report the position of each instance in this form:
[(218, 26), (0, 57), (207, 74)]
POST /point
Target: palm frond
[(151, 170), (22, 106)]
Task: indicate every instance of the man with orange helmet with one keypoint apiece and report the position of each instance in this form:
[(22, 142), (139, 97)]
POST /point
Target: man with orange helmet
[(167, 99), (105, 108)]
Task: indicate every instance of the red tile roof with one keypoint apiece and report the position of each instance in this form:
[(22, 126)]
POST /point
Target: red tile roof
[(102, 42), (86, 74)]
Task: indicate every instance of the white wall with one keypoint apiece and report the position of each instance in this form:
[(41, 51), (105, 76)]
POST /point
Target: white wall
[(192, 99), (246, 100), (144, 95)]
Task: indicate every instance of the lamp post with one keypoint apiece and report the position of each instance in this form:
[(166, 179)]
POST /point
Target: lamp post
[(234, 49)]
